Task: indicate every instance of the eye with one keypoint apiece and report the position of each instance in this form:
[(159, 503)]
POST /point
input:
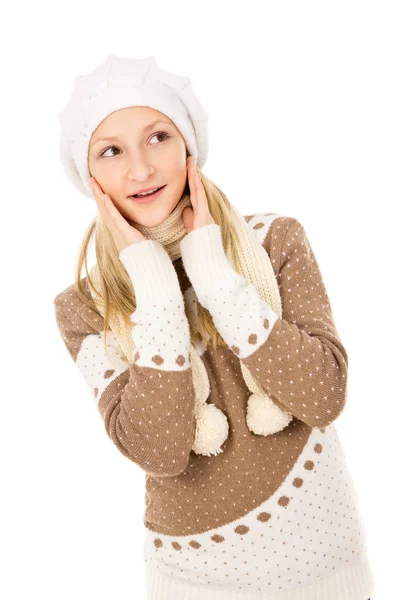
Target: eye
[(162, 134)]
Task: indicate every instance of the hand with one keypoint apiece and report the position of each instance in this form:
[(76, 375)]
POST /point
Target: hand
[(123, 233), (199, 215)]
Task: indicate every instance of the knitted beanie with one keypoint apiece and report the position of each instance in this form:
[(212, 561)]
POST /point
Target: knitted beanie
[(119, 83), (123, 82)]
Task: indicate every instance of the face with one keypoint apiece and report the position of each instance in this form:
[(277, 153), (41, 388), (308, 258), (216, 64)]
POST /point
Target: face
[(139, 155)]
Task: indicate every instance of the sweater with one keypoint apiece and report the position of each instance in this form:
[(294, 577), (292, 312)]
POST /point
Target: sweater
[(271, 517)]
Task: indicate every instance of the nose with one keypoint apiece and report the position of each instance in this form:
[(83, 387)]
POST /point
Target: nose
[(140, 169)]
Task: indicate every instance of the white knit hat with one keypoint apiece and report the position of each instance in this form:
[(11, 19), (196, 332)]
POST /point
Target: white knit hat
[(119, 83)]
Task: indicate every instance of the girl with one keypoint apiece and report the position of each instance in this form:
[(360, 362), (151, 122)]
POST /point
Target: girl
[(209, 344)]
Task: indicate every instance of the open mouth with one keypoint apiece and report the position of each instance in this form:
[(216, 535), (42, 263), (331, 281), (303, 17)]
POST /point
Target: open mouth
[(148, 197)]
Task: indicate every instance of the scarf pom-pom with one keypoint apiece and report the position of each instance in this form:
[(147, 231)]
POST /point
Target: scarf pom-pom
[(264, 417), (211, 430)]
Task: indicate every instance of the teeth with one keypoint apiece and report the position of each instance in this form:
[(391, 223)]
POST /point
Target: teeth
[(146, 193)]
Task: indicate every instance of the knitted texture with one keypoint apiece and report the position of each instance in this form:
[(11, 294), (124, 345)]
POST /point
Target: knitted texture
[(202, 249), (121, 82), (271, 517)]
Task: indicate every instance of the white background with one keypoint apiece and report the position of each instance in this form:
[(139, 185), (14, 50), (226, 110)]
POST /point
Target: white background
[(302, 99)]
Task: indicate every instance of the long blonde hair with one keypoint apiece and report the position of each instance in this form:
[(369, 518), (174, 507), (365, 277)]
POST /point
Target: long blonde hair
[(116, 290)]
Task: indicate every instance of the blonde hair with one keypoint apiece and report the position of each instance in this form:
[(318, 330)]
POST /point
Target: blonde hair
[(116, 289)]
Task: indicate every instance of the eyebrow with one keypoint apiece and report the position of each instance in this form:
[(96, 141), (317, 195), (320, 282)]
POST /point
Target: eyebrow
[(114, 137)]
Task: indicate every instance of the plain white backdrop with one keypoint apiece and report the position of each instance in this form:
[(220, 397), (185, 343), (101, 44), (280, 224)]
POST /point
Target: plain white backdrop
[(302, 99)]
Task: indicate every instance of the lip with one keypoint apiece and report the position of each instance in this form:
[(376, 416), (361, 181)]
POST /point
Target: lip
[(148, 199), (148, 189)]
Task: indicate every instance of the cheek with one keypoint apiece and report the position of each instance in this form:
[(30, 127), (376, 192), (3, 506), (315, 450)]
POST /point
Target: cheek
[(177, 158), (176, 170)]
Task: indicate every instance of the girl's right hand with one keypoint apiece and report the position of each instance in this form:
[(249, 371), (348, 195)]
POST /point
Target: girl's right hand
[(123, 233)]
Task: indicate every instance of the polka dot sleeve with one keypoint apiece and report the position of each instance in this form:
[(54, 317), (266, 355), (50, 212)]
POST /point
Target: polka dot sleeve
[(161, 329), (148, 412), (299, 360)]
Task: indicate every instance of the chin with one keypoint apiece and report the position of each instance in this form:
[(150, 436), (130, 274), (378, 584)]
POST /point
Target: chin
[(152, 219), (154, 216)]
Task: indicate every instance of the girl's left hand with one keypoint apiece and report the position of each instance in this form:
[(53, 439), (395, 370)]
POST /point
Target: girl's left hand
[(199, 215)]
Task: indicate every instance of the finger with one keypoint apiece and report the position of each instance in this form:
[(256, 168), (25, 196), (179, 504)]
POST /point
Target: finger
[(187, 217), (104, 203), (112, 217), (192, 182), (99, 198), (200, 203), (103, 200)]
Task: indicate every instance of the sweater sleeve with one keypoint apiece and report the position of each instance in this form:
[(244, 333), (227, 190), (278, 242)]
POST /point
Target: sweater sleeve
[(299, 359), (147, 406)]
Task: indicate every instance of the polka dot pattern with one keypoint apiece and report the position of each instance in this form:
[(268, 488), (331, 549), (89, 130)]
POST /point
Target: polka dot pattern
[(244, 474), (147, 410), (269, 514), (299, 359), (161, 330), (243, 319), (308, 530), (303, 364), (161, 337), (233, 302)]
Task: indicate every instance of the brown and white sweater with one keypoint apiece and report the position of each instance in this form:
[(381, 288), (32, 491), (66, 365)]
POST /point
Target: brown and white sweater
[(271, 517)]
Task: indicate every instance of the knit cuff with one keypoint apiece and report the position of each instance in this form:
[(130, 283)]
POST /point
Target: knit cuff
[(152, 274), (243, 319), (206, 263)]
